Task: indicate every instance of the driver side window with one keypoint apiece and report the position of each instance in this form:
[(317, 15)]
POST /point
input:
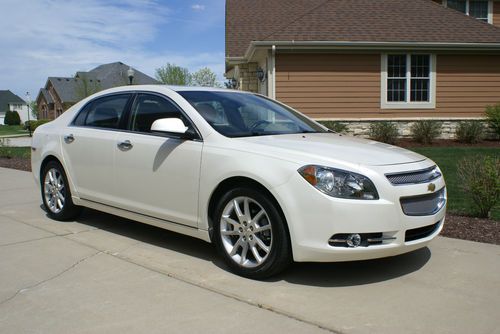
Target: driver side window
[(148, 108)]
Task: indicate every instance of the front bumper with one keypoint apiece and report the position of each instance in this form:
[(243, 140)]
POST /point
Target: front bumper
[(313, 218)]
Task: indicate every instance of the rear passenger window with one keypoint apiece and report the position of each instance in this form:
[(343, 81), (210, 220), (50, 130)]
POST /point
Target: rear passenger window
[(105, 112)]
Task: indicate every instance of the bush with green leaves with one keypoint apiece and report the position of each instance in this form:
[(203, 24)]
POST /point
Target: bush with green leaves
[(480, 179), (35, 124), (493, 118), (5, 148), (12, 118), (335, 126), (470, 132), (386, 132), (426, 132)]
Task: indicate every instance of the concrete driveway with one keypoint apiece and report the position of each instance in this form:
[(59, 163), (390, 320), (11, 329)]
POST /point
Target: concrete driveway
[(107, 274)]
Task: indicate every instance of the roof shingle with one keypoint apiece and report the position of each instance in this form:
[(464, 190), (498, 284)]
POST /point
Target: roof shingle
[(402, 21)]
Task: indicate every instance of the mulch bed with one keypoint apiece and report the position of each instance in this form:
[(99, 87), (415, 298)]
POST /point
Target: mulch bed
[(471, 228), (16, 163), (447, 143), (460, 227)]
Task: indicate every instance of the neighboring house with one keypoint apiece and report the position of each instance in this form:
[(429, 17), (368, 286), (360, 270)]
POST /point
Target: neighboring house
[(12, 102), (363, 60), (60, 93)]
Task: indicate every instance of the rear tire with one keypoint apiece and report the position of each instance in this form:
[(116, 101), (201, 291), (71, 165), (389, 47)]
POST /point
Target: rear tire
[(250, 234), (56, 195)]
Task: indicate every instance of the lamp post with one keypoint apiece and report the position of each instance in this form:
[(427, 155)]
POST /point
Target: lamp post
[(130, 74), (28, 98)]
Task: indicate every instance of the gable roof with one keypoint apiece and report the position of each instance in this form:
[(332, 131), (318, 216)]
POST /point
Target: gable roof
[(389, 21), (115, 74), (70, 90), (7, 97)]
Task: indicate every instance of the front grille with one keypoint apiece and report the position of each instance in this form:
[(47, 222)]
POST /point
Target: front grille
[(424, 205), (421, 232), (414, 177)]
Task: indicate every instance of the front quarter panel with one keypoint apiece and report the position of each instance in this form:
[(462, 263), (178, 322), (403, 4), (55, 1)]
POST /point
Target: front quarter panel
[(219, 164)]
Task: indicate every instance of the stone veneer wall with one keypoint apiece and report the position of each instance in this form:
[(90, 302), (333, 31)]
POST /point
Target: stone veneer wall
[(248, 77), (448, 129)]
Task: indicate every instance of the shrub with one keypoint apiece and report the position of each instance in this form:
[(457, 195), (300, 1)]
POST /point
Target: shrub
[(480, 179), (28, 124), (12, 118), (426, 131), (5, 149), (36, 124), (386, 132), (470, 132), (335, 126), (493, 117)]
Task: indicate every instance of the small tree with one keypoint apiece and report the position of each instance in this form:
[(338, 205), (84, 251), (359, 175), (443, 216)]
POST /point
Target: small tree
[(205, 77), (493, 117), (12, 118), (34, 109), (480, 179), (86, 86), (172, 74)]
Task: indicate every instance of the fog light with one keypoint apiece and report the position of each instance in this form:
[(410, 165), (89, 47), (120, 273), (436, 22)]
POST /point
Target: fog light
[(353, 240)]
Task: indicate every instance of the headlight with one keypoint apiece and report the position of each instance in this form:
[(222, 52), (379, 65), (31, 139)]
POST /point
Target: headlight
[(339, 183)]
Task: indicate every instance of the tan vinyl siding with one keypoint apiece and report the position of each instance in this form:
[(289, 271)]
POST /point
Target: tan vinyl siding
[(348, 86), (329, 85), (467, 84), (496, 13)]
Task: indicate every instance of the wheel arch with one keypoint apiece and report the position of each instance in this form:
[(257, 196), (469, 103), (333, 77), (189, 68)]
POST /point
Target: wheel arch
[(240, 181)]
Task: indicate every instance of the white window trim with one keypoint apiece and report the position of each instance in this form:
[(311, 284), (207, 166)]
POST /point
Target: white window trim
[(431, 104), (490, 9)]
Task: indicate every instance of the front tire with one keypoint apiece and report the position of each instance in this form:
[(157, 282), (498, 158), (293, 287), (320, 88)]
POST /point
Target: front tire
[(250, 234), (56, 195)]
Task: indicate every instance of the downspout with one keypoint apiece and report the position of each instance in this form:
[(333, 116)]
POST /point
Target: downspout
[(273, 72)]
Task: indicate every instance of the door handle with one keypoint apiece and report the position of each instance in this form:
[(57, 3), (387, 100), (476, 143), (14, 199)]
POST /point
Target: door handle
[(125, 145), (68, 139)]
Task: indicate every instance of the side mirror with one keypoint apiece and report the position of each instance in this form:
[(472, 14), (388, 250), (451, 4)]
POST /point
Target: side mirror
[(173, 126)]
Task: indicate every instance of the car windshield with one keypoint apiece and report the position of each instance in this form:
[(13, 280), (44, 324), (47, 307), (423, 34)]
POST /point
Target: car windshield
[(234, 114)]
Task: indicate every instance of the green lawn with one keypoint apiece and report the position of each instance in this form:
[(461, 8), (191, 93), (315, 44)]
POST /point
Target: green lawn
[(15, 152), (447, 159), (7, 130)]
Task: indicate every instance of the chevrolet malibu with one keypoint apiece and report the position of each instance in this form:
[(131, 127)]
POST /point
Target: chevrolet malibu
[(264, 183)]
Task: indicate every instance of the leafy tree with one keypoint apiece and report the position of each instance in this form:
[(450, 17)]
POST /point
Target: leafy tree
[(205, 77), (86, 86), (172, 74), (33, 109)]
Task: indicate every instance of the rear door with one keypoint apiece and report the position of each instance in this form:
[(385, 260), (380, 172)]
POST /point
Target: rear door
[(157, 175), (89, 147)]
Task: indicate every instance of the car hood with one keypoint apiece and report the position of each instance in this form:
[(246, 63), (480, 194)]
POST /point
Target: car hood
[(330, 146)]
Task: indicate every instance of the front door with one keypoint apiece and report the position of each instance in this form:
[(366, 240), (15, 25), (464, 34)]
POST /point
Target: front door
[(156, 175)]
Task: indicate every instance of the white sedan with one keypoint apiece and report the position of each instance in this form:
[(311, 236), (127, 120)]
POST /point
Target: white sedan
[(264, 183)]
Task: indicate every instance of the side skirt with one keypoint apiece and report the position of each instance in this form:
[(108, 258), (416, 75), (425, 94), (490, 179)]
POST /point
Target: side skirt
[(165, 224)]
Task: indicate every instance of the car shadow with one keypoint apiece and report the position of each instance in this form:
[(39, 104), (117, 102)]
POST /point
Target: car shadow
[(337, 274)]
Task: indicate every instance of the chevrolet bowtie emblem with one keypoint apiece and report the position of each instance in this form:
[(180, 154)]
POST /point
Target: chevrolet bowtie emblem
[(431, 187)]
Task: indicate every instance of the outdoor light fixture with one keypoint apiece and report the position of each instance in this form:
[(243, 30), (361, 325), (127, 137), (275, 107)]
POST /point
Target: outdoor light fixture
[(232, 83), (130, 74), (261, 75)]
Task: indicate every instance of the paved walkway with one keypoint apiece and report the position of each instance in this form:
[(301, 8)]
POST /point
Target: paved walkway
[(106, 274)]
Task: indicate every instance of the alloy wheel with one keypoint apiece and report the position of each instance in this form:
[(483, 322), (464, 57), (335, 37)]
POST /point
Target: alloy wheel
[(246, 232), (54, 190)]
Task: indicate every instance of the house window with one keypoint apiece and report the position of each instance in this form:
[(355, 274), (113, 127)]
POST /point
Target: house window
[(408, 81), (480, 9)]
